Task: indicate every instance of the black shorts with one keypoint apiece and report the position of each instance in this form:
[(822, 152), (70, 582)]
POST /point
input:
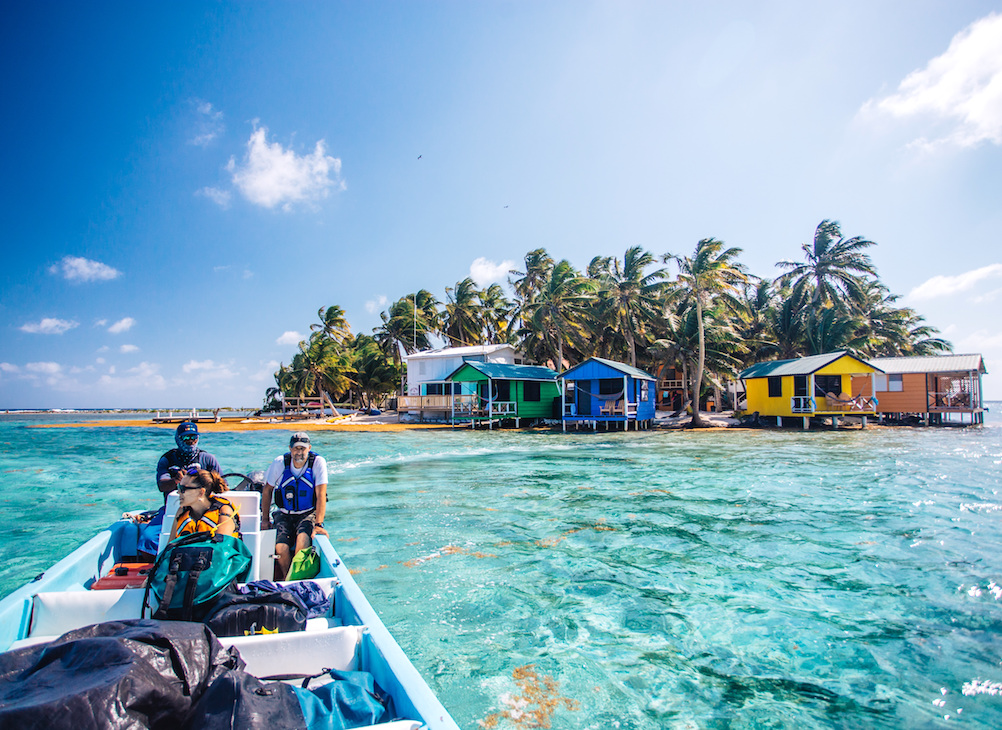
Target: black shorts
[(288, 527)]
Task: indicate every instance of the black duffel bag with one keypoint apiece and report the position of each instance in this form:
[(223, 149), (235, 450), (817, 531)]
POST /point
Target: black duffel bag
[(240, 614)]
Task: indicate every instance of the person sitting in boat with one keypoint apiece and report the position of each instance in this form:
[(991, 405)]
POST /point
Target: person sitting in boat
[(203, 509), (298, 481), (173, 464)]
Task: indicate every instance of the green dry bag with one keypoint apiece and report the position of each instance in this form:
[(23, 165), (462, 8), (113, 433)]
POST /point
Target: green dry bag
[(305, 565), (192, 571)]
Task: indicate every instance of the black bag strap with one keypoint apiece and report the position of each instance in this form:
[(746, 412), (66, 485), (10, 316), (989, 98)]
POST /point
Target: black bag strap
[(170, 583), (189, 590)]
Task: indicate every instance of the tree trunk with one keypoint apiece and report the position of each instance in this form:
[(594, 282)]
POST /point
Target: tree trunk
[(697, 381)]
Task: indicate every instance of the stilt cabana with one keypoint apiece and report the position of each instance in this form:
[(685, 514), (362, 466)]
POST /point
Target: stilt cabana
[(819, 385), (935, 388), (604, 391), (487, 392)]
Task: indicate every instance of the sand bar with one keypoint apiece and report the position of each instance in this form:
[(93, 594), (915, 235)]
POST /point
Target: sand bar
[(352, 423)]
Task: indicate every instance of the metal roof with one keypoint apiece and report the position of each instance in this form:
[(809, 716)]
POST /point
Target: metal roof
[(504, 371), (931, 364), (620, 366), (800, 366), (459, 351)]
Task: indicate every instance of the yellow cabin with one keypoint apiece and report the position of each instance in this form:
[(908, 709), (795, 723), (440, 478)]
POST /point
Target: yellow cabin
[(819, 385)]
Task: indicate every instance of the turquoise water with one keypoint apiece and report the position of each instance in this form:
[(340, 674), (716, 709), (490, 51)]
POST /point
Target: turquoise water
[(732, 579)]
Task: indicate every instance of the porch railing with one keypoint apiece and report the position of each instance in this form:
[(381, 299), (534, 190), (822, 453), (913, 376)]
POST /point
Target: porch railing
[(803, 404)]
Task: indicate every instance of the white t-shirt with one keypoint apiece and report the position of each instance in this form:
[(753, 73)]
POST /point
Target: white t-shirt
[(275, 470)]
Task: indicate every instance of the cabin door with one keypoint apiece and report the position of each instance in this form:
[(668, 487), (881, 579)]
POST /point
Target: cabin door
[(584, 401)]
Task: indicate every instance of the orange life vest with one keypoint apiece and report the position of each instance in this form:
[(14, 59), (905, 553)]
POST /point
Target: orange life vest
[(185, 524)]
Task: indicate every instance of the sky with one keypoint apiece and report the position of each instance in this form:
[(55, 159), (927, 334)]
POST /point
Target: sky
[(186, 184)]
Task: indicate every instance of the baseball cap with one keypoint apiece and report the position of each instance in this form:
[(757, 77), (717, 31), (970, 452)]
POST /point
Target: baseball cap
[(299, 438), (187, 428)]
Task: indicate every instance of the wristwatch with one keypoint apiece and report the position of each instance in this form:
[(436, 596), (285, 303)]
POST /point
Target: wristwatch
[(320, 524)]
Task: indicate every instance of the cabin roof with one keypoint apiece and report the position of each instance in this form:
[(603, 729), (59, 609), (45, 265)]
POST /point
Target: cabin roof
[(458, 351), (930, 364), (799, 366), (506, 371), (620, 366)]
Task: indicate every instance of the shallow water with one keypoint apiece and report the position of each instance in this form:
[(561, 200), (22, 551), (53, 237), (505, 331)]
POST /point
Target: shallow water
[(648, 580)]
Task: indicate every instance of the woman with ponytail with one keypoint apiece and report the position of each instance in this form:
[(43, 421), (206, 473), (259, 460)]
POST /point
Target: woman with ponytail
[(202, 508)]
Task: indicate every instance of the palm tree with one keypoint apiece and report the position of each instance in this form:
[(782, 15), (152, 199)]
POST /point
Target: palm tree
[(711, 274), (408, 324), (332, 324), (496, 311), (538, 266), (556, 316), (463, 314), (758, 302), (320, 367), (375, 375), (630, 297), (834, 268), (526, 284)]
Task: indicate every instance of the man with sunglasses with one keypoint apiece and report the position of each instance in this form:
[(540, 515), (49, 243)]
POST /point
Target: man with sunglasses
[(171, 470), (173, 464)]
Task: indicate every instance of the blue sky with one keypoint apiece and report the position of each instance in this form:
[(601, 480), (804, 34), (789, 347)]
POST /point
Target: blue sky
[(185, 185)]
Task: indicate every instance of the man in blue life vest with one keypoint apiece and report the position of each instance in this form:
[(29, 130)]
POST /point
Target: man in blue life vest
[(298, 481)]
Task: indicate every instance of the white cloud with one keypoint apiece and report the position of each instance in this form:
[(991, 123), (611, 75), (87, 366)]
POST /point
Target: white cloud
[(289, 338), (77, 268), (103, 348), (101, 323), (200, 373), (193, 365), (266, 373), (125, 349), (209, 125), (7, 367), (145, 376), (374, 305), (43, 368), (961, 88), (216, 195), (99, 361), (484, 271), (942, 286), (122, 325), (271, 175), (49, 326)]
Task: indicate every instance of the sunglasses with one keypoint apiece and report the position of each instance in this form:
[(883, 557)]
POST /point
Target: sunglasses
[(189, 439), (187, 489)]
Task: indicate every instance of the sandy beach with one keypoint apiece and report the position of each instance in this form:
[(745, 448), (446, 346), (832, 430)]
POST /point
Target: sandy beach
[(358, 423)]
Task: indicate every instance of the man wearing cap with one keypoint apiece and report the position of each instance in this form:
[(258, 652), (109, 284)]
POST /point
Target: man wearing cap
[(298, 480), (170, 470), (173, 464)]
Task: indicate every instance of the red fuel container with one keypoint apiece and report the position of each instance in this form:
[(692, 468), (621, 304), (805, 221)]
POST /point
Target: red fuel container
[(123, 575)]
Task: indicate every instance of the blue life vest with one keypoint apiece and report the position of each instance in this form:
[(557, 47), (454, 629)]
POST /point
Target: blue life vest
[(297, 494)]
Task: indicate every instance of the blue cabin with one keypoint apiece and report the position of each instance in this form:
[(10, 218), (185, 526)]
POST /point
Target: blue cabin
[(604, 391)]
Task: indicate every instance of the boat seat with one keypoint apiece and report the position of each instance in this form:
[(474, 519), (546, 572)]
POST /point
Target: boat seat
[(247, 505), (299, 652), (54, 613)]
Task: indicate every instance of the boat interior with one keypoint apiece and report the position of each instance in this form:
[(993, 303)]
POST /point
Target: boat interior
[(65, 598)]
